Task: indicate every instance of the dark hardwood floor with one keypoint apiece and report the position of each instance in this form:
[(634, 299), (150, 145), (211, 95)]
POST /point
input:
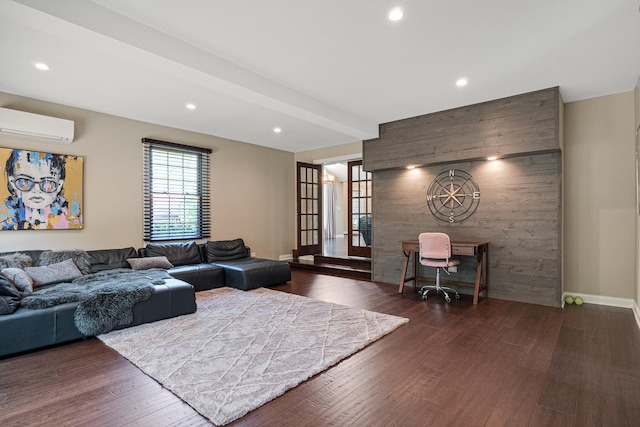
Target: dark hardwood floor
[(499, 363)]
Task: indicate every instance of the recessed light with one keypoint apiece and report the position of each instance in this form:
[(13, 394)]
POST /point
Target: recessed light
[(191, 106), (396, 14), (461, 82), (277, 130), (492, 158), (411, 167), (41, 66)]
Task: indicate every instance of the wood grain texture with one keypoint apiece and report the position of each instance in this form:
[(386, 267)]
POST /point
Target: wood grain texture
[(519, 214), (520, 197), (521, 124), (500, 363)]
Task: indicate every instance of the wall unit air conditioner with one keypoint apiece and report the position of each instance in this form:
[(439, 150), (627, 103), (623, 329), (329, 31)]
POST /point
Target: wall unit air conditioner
[(14, 122)]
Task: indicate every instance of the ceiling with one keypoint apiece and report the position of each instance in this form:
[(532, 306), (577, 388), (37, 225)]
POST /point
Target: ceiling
[(326, 72)]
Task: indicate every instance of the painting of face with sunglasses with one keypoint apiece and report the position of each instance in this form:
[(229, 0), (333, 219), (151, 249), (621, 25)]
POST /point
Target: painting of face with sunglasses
[(35, 181)]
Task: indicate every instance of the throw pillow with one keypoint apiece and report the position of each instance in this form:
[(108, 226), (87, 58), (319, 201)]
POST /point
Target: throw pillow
[(19, 278), (53, 273), (222, 250), (149, 262), (80, 258), (184, 253), (15, 260), (9, 297), (107, 259)]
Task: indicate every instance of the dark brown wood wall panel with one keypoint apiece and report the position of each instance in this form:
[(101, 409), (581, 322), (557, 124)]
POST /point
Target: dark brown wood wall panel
[(519, 211), (511, 126)]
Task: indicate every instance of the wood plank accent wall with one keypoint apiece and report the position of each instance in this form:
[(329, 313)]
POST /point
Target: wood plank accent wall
[(521, 195), (506, 127)]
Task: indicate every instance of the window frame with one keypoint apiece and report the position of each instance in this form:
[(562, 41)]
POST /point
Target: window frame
[(178, 190)]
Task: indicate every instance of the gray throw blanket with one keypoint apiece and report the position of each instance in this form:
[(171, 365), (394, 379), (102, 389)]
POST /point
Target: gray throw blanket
[(105, 299)]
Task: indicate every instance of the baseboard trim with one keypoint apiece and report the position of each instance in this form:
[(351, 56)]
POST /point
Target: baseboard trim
[(288, 257), (610, 301)]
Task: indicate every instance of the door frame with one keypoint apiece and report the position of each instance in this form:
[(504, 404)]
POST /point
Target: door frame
[(309, 208)]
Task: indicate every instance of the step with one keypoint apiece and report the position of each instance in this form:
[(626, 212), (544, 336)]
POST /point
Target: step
[(332, 269), (359, 263)]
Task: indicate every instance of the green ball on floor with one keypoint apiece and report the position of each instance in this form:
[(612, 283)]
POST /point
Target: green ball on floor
[(568, 300), (578, 300)]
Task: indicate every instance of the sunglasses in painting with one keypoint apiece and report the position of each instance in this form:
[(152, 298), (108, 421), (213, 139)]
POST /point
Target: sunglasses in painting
[(47, 185)]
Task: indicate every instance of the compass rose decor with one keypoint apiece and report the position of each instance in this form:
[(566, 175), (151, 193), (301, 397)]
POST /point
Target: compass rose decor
[(453, 196)]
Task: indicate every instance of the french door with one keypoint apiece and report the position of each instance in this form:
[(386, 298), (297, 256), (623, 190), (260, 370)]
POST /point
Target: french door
[(360, 210), (309, 209)]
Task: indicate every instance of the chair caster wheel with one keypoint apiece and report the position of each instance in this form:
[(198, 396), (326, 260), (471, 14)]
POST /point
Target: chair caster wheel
[(457, 295), (424, 296), (447, 298)]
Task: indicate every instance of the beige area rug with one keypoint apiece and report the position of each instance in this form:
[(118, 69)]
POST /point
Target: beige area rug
[(243, 349)]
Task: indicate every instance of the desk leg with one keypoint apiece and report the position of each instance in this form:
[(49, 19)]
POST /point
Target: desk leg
[(485, 270), (476, 291), (481, 273), (405, 266), (415, 270)]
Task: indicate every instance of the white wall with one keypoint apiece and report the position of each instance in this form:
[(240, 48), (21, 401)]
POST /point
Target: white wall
[(599, 197), (637, 123), (251, 186), (352, 150)]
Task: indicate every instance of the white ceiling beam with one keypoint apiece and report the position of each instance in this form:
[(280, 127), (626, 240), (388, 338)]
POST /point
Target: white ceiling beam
[(123, 37)]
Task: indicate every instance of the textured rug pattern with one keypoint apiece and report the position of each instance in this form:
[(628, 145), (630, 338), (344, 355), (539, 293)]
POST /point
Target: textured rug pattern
[(243, 349)]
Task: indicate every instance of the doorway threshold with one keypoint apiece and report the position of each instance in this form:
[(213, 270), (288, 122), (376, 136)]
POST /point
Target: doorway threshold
[(350, 267)]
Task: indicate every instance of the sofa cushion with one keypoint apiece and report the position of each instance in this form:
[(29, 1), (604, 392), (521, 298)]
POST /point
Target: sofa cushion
[(108, 259), (250, 273), (202, 276), (53, 273), (27, 329), (177, 253), (80, 257), (19, 279), (9, 297), (146, 263), (223, 250), (15, 260)]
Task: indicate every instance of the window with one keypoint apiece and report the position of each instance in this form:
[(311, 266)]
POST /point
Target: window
[(175, 191)]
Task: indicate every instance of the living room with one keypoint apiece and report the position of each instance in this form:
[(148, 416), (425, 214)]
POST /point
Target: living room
[(253, 183)]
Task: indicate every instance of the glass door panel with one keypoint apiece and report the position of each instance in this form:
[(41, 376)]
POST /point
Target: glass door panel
[(360, 210), (309, 209)]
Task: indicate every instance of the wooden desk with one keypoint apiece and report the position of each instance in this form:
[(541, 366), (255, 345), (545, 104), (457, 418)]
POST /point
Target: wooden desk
[(480, 250)]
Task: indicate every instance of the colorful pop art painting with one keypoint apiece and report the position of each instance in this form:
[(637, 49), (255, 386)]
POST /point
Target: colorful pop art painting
[(40, 191)]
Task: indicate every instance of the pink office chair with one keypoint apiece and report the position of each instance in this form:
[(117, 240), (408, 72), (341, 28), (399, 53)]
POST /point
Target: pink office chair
[(435, 249)]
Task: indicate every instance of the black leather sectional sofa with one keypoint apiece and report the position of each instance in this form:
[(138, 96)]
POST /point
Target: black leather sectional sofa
[(196, 267), (215, 264)]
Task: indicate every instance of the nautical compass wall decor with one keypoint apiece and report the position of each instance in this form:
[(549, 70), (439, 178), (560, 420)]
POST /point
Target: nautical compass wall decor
[(453, 196)]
